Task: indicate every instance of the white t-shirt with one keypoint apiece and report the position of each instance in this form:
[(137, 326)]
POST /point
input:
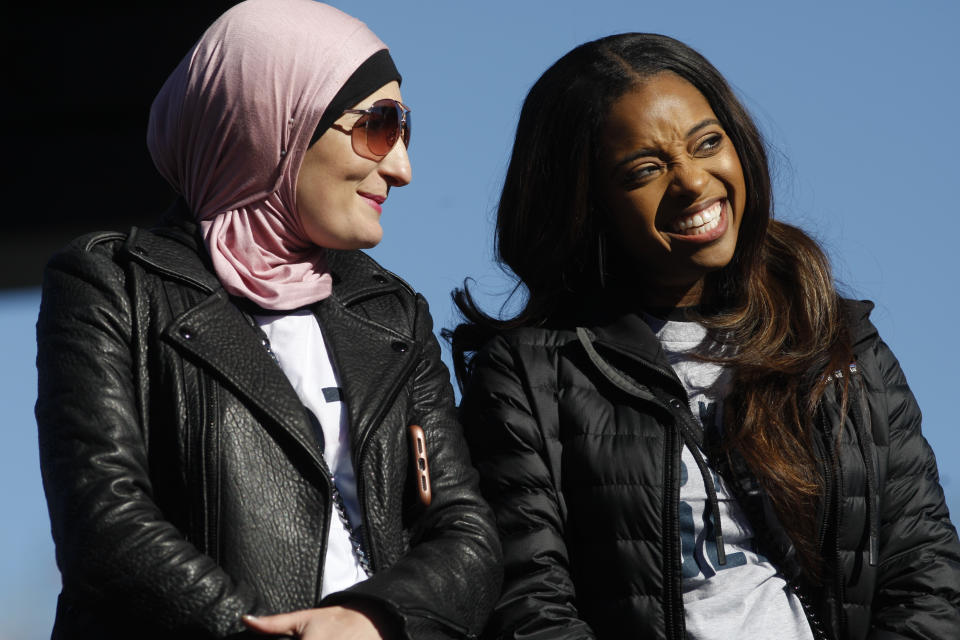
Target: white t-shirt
[(298, 344), (745, 599)]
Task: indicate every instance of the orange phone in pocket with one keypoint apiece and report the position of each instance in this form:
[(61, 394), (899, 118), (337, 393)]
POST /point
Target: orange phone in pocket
[(421, 467)]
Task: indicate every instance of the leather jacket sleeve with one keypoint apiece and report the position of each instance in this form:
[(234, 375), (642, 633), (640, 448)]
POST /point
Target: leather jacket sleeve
[(918, 590), (446, 584), (113, 543), (509, 443)]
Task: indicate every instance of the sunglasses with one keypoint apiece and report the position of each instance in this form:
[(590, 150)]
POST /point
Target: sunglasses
[(378, 128)]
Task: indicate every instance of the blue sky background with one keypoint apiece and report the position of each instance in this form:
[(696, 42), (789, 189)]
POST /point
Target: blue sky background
[(858, 100)]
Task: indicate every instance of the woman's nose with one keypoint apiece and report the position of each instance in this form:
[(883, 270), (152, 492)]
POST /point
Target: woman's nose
[(689, 178), (395, 166)]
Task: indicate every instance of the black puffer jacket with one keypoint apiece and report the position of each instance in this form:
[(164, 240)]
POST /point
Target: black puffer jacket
[(184, 482), (577, 436)]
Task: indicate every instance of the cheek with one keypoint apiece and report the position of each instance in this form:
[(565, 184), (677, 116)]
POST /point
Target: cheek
[(318, 184), (632, 231), (314, 201), (635, 215), (732, 174)]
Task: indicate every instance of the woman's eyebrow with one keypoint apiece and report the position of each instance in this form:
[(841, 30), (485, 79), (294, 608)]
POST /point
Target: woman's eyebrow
[(649, 151), (700, 125), (639, 153)]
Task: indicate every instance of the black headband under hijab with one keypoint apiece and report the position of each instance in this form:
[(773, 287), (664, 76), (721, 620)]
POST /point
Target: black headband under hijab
[(376, 71)]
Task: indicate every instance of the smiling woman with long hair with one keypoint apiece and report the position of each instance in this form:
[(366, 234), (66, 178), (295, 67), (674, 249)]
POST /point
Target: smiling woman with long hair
[(244, 421), (686, 431)]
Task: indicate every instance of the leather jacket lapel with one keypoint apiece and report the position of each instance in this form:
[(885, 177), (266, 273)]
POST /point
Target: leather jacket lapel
[(217, 336), (373, 362)]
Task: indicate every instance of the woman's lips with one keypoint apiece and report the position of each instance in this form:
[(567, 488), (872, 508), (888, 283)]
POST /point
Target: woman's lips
[(374, 201), (706, 225)]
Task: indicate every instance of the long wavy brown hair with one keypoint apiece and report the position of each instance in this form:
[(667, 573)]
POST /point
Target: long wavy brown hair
[(776, 299)]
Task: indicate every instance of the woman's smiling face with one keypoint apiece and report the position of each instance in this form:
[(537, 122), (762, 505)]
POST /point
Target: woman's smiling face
[(340, 194), (672, 187)]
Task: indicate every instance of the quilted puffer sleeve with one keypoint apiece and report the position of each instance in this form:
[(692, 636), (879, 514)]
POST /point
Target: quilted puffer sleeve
[(113, 543), (918, 594), (508, 444)]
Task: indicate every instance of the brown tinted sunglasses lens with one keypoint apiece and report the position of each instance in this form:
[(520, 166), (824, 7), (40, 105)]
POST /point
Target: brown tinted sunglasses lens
[(381, 127)]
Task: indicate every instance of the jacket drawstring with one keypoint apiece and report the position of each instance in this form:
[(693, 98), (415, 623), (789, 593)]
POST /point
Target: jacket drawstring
[(624, 382), (711, 493)]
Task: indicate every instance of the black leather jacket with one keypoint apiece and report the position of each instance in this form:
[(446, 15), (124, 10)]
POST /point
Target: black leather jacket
[(578, 435), (183, 479)]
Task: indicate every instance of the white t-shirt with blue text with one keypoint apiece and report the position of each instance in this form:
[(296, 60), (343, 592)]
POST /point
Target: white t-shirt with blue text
[(746, 598)]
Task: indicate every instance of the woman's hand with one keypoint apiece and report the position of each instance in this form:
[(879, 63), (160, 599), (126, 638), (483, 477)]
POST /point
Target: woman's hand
[(317, 624)]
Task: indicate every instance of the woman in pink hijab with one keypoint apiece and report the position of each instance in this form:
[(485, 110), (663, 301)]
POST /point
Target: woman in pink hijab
[(245, 426)]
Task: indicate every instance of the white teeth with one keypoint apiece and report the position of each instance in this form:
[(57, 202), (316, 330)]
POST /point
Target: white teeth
[(700, 222), (710, 226)]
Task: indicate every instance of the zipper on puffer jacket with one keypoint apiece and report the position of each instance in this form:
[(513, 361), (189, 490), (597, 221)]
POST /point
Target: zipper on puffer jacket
[(673, 601), (684, 421)]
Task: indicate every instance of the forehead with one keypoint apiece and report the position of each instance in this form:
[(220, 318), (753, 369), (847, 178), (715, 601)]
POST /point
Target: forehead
[(661, 109)]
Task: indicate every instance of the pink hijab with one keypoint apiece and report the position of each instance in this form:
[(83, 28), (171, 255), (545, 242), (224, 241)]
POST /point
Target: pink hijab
[(229, 130)]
